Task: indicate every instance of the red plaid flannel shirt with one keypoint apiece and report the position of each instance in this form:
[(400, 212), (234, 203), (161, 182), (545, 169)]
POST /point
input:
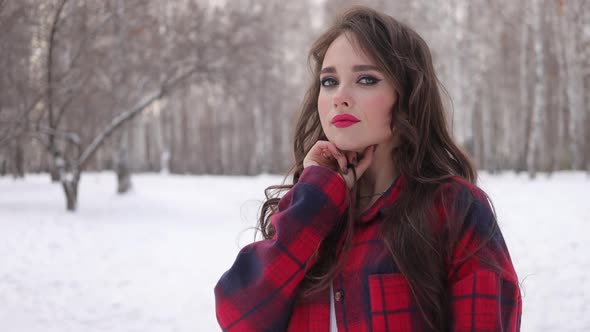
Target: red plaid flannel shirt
[(257, 293)]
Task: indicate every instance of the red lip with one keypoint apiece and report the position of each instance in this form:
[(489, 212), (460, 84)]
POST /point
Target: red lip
[(344, 120)]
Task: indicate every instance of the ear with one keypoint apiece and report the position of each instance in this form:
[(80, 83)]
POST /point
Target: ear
[(395, 137)]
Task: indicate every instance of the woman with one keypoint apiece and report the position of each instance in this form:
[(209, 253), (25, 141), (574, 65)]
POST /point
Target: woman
[(383, 228)]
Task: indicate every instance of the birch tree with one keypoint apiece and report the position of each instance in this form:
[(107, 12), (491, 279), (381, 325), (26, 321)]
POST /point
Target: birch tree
[(534, 138), (72, 157), (514, 107), (575, 83)]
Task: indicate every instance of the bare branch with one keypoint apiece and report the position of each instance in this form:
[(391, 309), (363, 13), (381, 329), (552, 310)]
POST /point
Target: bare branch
[(8, 135), (71, 93), (118, 121), (52, 35), (18, 125), (65, 135), (82, 47)]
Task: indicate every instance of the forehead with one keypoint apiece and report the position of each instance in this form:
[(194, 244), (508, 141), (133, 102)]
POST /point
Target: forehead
[(345, 51)]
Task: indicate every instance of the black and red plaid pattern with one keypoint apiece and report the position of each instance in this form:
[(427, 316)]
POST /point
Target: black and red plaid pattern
[(391, 303), (257, 292)]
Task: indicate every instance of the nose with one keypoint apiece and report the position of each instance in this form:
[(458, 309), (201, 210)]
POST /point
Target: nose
[(341, 98)]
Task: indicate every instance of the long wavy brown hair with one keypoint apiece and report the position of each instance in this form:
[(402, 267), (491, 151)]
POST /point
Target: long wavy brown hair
[(426, 157)]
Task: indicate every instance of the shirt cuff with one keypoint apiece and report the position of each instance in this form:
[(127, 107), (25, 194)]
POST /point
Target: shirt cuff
[(329, 182)]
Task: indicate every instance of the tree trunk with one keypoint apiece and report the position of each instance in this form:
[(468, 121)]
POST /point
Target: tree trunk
[(54, 174), (123, 178), (478, 137), (534, 138), (574, 89), (56, 167), (559, 155), (70, 186), (19, 160), (524, 90), (122, 165), (123, 172), (165, 162)]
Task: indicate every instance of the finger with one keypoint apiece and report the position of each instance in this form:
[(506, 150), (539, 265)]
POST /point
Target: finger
[(352, 157), (320, 151), (342, 162), (366, 161)]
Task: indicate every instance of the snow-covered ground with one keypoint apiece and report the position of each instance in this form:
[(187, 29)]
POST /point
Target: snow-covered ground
[(148, 261)]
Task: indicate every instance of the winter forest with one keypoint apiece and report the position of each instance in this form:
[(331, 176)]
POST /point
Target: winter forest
[(203, 87), (188, 108)]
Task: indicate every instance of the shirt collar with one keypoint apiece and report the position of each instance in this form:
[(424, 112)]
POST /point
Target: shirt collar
[(388, 197)]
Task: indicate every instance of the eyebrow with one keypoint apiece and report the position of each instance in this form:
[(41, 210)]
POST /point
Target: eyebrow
[(354, 68)]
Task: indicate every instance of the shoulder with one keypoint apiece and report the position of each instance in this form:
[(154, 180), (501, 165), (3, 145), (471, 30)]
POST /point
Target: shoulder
[(459, 188), (463, 209), (472, 232), (457, 194)]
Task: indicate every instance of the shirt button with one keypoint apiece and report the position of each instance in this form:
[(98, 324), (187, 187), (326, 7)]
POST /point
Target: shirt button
[(339, 295)]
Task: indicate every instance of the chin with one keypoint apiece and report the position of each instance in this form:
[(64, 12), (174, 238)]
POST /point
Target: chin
[(349, 146), (346, 142)]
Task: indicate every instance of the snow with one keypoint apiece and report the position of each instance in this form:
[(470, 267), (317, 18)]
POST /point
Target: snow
[(148, 261)]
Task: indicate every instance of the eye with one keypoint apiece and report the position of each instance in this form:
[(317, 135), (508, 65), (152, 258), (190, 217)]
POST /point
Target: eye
[(328, 82), (368, 80)]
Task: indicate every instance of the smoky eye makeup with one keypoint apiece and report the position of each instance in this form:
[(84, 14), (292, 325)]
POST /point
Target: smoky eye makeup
[(368, 80), (328, 82)]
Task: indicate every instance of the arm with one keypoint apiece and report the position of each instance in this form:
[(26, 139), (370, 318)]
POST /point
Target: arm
[(484, 291), (257, 292)]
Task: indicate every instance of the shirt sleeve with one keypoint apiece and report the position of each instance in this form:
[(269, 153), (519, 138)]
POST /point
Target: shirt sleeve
[(484, 289), (257, 292)]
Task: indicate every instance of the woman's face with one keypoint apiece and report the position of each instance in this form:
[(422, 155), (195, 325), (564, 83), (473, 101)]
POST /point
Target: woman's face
[(351, 84)]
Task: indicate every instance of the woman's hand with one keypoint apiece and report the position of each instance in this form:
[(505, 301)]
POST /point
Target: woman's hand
[(325, 153)]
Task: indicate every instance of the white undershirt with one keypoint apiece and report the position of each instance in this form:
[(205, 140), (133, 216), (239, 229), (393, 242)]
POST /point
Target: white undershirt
[(333, 326)]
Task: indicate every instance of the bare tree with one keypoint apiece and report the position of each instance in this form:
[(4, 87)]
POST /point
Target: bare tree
[(534, 138), (72, 156), (560, 125), (74, 66)]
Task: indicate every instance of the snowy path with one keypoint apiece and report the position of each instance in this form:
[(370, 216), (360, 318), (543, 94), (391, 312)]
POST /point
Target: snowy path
[(148, 261)]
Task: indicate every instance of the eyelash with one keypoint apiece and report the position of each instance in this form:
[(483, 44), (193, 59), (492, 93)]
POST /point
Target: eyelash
[(373, 79)]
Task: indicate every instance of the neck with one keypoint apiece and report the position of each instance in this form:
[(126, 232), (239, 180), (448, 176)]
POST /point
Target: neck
[(379, 176)]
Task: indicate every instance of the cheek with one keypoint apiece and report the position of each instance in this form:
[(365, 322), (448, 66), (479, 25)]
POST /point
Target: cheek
[(323, 106), (381, 101), (379, 107)]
